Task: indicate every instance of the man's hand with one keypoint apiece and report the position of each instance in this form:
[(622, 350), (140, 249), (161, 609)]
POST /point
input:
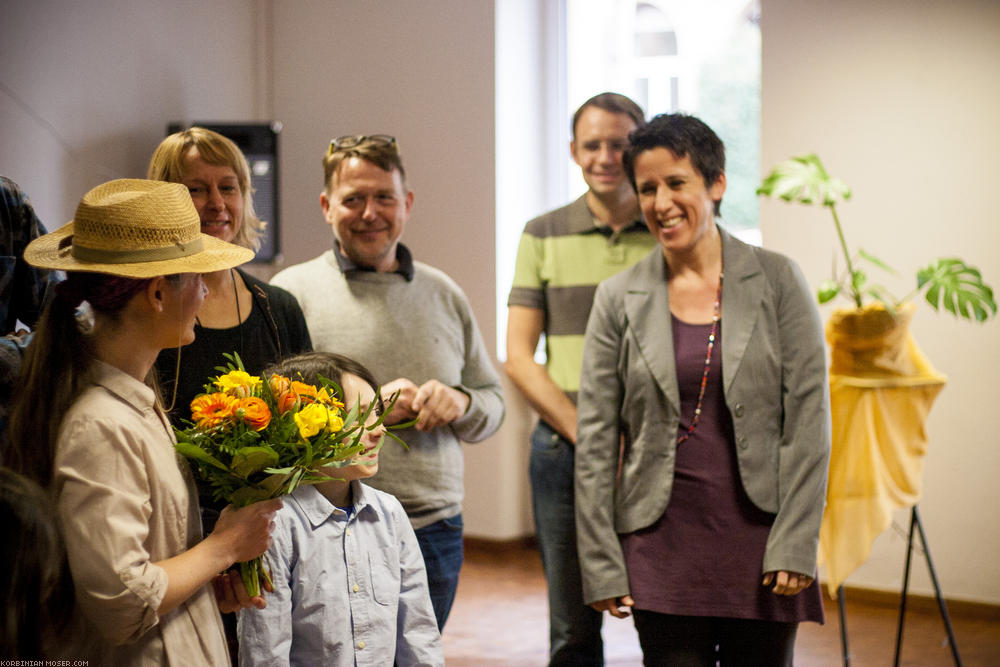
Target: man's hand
[(786, 583), (432, 404), (617, 607)]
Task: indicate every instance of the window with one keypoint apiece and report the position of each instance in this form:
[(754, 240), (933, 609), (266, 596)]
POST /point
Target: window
[(697, 56), (701, 58)]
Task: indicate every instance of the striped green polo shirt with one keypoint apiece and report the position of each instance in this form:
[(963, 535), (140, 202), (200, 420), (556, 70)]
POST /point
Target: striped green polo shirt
[(561, 258)]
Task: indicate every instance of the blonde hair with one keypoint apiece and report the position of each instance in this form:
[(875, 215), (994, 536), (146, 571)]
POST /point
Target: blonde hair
[(167, 164)]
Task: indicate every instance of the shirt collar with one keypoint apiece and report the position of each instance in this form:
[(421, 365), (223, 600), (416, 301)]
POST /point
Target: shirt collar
[(582, 221), (403, 256), (137, 394), (318, 509)]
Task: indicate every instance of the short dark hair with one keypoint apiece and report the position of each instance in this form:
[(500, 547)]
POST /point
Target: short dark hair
[(613, 102), (682, 135)]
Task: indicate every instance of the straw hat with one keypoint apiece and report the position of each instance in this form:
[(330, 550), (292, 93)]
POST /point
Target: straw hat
[(138, 229)]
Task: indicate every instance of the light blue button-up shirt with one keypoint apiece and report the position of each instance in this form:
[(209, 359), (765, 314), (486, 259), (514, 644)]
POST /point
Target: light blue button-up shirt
[(350, 589)]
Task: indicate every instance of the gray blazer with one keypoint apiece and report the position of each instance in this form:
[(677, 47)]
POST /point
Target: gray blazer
[(776, 389)]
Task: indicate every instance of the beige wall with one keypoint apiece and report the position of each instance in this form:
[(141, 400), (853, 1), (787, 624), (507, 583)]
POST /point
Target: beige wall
[(898, 97), (87, 88), (423, 72), (900, 100)]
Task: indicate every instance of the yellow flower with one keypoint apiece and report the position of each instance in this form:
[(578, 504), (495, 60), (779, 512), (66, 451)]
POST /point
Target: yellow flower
[(208, 410), (311, 419), (334, 422), (238, 383), (330, 399), (316, 417)]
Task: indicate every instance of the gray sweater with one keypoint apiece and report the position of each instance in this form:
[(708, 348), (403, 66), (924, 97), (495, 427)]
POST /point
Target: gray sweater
[(420, 330)]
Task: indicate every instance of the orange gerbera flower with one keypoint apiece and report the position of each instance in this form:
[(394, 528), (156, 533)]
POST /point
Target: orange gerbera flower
[(208, 410)]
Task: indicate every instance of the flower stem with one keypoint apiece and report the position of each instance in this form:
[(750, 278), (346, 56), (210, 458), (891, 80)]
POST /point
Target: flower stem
[(847, 257), (249, 572)]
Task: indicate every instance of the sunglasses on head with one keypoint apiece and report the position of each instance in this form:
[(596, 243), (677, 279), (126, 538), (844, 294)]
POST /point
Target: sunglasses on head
[(354, 140)]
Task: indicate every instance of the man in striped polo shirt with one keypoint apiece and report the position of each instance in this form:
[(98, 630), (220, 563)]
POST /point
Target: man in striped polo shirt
[(561, 258)]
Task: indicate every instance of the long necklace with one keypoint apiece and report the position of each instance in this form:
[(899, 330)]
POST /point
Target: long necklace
[(239, 316), (716, 316)]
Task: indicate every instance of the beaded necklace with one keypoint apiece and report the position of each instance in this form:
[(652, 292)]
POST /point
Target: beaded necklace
[(716, 316)]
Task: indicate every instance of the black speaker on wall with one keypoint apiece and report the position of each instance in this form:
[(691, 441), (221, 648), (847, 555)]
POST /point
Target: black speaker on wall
[(259, 143)]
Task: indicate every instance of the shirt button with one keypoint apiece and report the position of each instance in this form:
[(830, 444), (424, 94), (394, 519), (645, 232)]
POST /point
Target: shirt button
[(738, 410), (356, 588), (348, 532), (742, 442), (361, 645)]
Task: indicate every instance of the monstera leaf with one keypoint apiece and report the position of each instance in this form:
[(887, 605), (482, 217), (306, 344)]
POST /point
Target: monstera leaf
[(958, 287), (804, 180)]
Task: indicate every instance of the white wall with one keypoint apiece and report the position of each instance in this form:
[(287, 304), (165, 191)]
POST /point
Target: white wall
[(87, 88), (900, 100)]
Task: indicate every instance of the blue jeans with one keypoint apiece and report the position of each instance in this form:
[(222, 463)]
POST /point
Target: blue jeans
[(574, 628), (441, 546)]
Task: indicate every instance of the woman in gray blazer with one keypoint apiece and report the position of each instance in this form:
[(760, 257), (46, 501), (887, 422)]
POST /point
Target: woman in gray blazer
[(704, 425)]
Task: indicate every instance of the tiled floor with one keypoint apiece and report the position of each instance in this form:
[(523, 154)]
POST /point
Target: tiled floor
[(500, 618)]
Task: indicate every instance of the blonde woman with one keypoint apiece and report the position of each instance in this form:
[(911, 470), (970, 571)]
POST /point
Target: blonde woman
[(241, 314), (89, 426)]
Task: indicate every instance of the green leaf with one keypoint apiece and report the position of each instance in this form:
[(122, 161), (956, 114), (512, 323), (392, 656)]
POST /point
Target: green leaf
[(876, 261), (958, 288), (248, 495), (828, 290), (397, 439), (881, 294), (249, 460), (192, 451), (858, 280), (804, 180)]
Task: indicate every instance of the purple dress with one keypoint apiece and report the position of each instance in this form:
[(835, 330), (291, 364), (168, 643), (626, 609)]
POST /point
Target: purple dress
[(704, 556)]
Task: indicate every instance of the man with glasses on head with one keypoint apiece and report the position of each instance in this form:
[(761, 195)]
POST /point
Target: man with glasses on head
[(368, 299), (561, 258)]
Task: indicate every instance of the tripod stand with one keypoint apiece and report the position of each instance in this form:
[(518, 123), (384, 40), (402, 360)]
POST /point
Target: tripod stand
[(914, 523)]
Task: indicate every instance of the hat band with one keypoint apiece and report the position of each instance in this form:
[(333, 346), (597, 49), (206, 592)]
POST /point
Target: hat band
[(176, 251)]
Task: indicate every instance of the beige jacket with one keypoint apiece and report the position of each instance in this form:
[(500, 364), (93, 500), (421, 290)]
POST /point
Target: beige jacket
[(125, 503)]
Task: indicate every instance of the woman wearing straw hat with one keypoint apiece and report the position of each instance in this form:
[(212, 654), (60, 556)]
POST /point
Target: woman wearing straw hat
[(89, 426), (261, 322)]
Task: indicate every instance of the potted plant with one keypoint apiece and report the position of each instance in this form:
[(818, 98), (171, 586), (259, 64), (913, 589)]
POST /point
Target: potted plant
[(947, 282), (881, 385)]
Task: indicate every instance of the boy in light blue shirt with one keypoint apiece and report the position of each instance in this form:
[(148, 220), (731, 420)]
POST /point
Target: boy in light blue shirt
[(349, 581)]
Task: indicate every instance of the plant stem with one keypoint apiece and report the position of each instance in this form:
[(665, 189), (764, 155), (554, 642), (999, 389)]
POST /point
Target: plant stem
[(847, 257)]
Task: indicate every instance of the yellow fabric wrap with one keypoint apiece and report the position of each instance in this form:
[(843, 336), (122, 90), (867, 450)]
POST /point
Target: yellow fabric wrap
[(881, 390)]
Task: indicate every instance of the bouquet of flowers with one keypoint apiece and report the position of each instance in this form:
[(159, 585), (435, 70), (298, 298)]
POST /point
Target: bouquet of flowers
[(253, 439)]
